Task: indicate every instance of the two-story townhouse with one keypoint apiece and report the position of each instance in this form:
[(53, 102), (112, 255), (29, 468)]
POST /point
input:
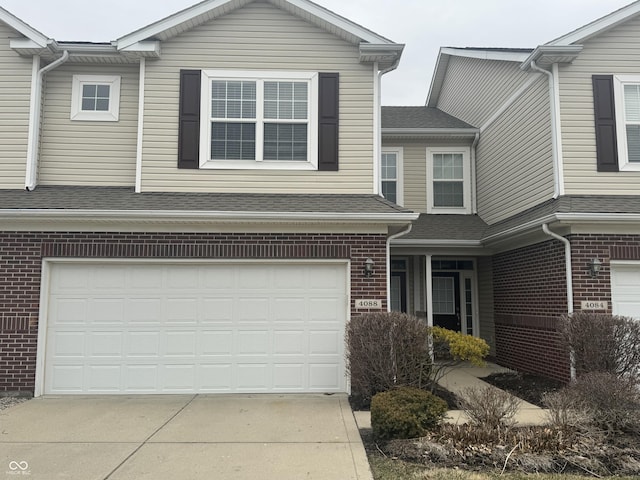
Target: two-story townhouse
[(536, 151), (193, 207)]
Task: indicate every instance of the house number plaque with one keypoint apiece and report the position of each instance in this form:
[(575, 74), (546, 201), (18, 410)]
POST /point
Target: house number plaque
[(368, 303), (593, 305)]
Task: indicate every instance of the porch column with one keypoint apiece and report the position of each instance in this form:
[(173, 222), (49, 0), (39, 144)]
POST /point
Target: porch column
[(429, 288)]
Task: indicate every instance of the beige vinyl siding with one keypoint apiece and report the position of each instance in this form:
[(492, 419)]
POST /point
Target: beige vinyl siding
[(76, 152), (613, 52), (415, 169), (514, 165), (15, 92), (258, 37), (474, 89), (485, 301)]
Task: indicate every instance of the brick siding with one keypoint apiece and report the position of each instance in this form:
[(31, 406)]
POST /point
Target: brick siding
[(21, 263), (530, 296)]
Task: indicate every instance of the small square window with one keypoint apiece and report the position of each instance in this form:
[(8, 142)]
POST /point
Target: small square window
[(95, 98)]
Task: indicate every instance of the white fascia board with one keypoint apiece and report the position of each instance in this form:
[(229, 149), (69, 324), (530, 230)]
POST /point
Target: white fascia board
[(436, 80), (208, 5), (168, 23), (431, 131), (189, 216), (25, 44), (598, 26), (569, 52), (340, 22), (149, 48), (505, 56), (436, 243), (24, 29)]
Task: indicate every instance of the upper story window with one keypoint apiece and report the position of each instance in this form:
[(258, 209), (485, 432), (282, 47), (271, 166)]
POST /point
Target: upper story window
[(95, 98), (259, 120), (448, 180), (391, 174), (627, 100)]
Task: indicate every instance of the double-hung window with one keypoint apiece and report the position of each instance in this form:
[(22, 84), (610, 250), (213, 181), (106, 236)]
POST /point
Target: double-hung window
[(448, 180), (627, 102), (391, 174), (259, 120)]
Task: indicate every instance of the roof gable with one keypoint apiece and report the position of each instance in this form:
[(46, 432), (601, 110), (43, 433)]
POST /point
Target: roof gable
[(24, 29), (599, 26), (211, 9)]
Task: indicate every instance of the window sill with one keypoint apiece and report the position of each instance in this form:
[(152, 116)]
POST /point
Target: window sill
[(449, 211), (629, 167), (253, 165)]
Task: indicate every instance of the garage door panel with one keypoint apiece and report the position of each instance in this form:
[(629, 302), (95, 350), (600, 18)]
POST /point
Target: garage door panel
[(143, 344), (215, 343), (625, 290), (105, 344), (133, 328), (144, 310)]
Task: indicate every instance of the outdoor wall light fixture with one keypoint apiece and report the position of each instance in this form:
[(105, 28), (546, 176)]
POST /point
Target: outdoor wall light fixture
[(595, 265), (368, 267)]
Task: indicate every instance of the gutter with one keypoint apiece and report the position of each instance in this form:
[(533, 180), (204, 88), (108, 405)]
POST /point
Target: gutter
[(567, 261), (389, 239), (35, 110), (474, 199), (556, 145), (204, 215), (377, 123)]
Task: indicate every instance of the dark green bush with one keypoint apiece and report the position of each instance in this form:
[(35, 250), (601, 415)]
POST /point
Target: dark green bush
[(405, 412)]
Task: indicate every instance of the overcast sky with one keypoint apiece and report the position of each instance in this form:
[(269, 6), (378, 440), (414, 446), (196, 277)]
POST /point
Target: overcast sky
[(423, 25)]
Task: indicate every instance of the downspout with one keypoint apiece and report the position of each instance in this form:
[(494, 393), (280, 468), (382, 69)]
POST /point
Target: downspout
[(474, 199), (34, 122), (555, 125), (377, 124), (393, 237), (567, 260)]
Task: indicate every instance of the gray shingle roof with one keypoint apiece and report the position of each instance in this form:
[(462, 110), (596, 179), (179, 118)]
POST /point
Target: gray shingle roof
[(586, 204), (419, 117), (124, 198), (447, 227)]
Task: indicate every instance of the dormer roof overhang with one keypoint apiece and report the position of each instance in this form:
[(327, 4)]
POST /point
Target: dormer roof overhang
[(546, 55)]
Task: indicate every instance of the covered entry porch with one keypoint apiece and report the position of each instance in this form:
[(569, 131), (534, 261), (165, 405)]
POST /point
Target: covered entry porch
[(446, 281)]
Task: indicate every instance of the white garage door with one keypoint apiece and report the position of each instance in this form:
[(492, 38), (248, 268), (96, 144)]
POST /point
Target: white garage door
[(625, 290), (179, 328)]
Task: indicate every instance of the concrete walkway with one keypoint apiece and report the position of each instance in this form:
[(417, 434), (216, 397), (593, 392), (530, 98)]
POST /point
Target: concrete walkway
[(458, 379), (231, 437)]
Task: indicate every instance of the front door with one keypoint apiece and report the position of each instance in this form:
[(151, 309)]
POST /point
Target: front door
[(446, 300)]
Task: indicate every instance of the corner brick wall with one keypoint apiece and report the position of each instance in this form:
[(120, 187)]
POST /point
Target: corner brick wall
[(21, 256), (584, 248), (530, 293)]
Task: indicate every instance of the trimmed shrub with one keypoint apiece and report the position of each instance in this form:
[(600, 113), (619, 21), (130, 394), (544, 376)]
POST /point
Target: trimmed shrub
[(489, 407), (602, 343), (405, 412), (385, 350), (456, 346)]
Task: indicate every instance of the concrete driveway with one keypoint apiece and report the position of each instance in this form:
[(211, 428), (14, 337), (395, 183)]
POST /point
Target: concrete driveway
[(182, 437)]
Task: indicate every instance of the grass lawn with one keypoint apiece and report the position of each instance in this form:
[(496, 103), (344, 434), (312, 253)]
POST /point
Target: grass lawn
[(388, 469)]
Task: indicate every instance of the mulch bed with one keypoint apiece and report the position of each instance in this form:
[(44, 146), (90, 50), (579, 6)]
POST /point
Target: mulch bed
[(528, 387)]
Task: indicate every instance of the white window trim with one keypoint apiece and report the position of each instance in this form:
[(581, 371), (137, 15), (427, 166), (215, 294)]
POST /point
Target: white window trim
[(111, 115), (619, 82), (399, 151), (466, 190), (205, 120)]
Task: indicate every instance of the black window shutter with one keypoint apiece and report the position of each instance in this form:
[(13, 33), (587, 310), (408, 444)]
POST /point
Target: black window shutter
[(189, 120), (605, 118), (328, 88)]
